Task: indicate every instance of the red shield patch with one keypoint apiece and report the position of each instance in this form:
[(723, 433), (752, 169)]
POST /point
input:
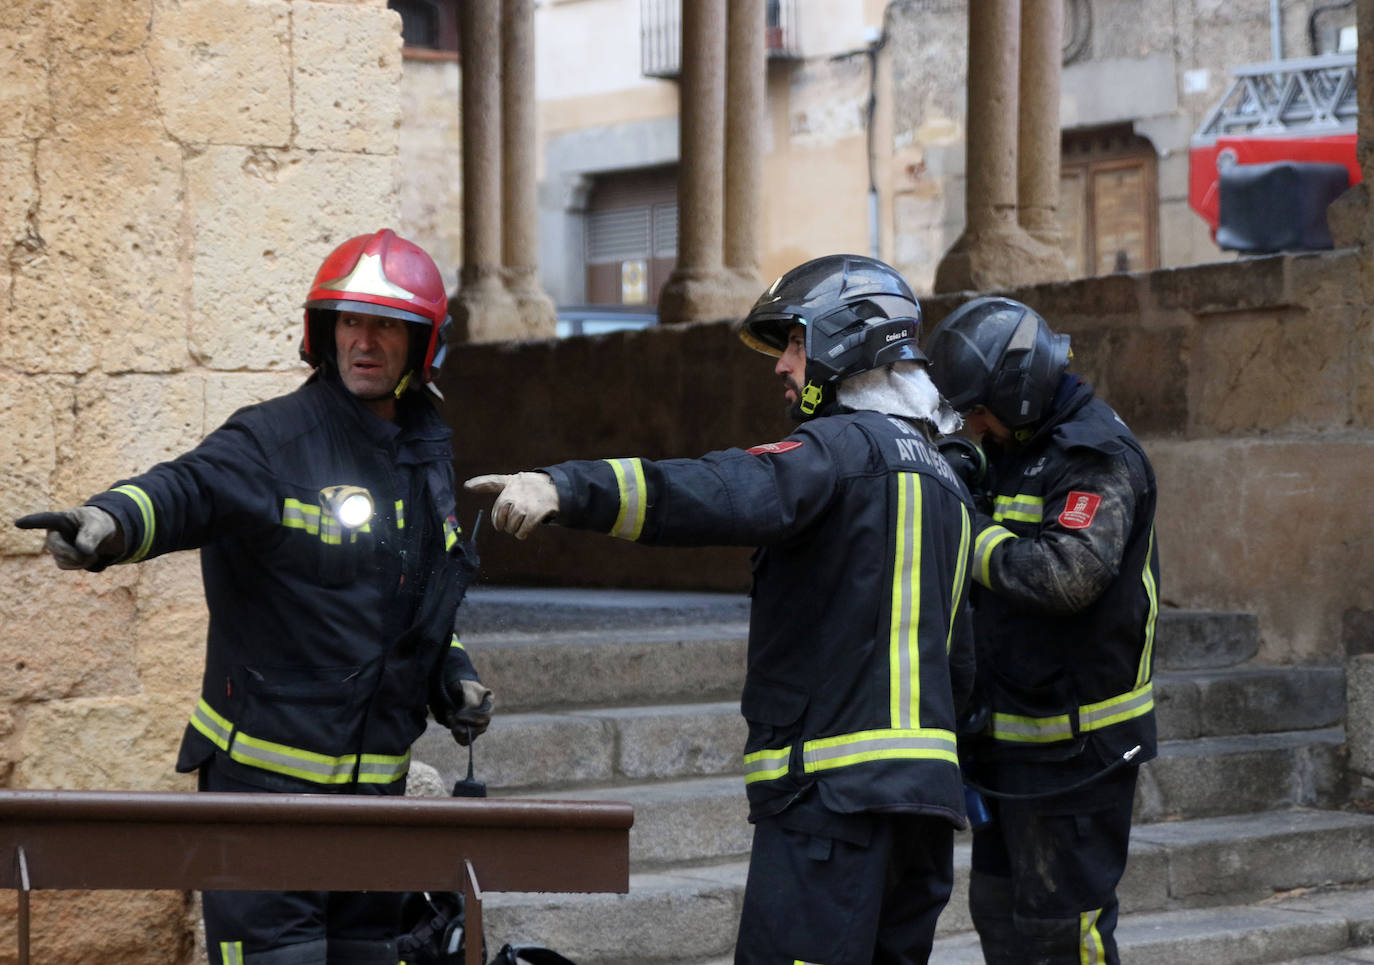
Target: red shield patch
[(774, 447), (1079, 510)]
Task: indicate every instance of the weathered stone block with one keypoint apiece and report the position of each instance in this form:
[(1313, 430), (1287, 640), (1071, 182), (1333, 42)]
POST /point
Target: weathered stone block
[(347, 80), (124, 425), (1359, 723), (224, 71), (98, 743), (255, 258), (102, 293), (106, 98), (1244, 378), (31, 412), (80, 927), (101, 26), (170, 632), (1250, 285), (23, 74), (67, 634)]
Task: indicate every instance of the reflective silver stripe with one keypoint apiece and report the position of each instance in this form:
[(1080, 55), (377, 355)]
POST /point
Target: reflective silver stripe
[(149, 517), (864, 747), (455, 642), (382, 768), (1114, 710), (1090, 948), (903, 645), (1022, 508), (988, 540), (629, 476), (298, 515), (1095, 716), (231, 953), (215, 728), (766, 765)]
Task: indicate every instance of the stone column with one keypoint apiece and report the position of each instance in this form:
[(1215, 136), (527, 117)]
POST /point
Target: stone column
[(1039, 146), (994, 251), (519, 205), (482, 309), (699, 288), (745, 117)]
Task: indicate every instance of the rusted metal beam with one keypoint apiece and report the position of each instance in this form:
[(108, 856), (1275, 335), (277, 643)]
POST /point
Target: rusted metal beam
[(147, 840)]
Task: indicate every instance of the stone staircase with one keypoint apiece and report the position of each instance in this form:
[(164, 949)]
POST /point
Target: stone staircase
[(1241, 852)]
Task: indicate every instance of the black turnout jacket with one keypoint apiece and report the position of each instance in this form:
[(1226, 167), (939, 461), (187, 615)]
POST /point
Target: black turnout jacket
[(1068, 592), (325, 643), (860, 646)]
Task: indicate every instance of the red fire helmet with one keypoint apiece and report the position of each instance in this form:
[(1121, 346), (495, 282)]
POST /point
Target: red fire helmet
[(379, 274)]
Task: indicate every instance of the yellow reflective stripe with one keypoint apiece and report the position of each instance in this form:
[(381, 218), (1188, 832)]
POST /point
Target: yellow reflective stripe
[(298, 515), (382, 768), (292, 761), (400, 514), (455, 642), (145, 510), (866, 746), (216, 729), (960, 571), (903, 645), (988, 540), (629, 476), (1152, 594), (1021, 508), (1114, 710), (765, 765), (1095, 716), (1090, 948), (451, 532), (1031, 730), (231, 953)]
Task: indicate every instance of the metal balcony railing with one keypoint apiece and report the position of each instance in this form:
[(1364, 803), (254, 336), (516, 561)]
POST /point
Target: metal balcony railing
[(660, 35)]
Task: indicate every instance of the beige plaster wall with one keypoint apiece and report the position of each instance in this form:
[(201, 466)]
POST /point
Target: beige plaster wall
[(171, 174)]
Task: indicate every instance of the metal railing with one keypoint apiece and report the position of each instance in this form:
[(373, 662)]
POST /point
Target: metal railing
[(1307, 95), (94, 840), (660, 35)]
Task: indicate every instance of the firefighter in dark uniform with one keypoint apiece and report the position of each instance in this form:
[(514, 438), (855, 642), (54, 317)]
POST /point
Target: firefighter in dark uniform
[(1064, 614), (859, 638), (333, 569)]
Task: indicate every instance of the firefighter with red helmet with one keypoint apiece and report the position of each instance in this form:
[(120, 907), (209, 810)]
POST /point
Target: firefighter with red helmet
[(859, 642), (1067, 576), (333, 567)]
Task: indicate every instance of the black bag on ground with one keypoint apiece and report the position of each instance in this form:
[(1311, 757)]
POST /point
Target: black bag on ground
[(436, 932), (534, 954)]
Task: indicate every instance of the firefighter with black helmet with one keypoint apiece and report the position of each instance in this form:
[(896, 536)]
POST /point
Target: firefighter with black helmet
[(1065, 604), (859, 639), (333, 568)]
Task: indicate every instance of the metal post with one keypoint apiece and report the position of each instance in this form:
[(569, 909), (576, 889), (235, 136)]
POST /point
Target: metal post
[(472, 916), (23, 899)]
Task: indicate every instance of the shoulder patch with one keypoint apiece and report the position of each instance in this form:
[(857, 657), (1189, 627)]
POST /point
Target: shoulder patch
[(774, 447), (1079, 510)]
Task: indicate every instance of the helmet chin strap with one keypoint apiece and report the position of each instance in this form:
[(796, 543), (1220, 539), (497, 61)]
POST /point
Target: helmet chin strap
[(402, 385), (811, 398)]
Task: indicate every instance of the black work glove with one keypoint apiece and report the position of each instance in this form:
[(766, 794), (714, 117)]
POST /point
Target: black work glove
[(84, 538), (471, 704)]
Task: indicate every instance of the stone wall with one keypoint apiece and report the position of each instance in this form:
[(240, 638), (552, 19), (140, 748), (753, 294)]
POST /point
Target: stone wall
[(172, 172), (1251, 384)]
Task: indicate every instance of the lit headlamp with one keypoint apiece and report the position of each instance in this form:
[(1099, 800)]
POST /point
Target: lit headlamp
[(350, 505)]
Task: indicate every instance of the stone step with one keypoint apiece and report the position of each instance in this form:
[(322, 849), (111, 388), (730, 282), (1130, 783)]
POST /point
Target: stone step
[(1181, 878), (610, 748), (585, 648), (1184, 639)]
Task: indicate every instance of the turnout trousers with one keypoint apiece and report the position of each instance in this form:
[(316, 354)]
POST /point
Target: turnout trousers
[(844, 889), (1043, 885), (297, 927)]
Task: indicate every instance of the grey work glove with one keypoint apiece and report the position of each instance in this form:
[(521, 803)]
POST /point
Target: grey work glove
[(475, 703), (523, 500), (84, 538)]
